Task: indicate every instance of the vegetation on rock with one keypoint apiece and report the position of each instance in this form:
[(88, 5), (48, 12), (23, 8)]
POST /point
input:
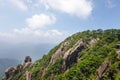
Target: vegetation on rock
[(87, 55)]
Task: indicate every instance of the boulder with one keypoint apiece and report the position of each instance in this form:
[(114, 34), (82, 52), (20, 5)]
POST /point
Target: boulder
[(27, 59), (27, 62), (9, 72)]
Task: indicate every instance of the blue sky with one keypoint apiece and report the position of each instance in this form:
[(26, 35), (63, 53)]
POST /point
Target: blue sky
[(51, 21)]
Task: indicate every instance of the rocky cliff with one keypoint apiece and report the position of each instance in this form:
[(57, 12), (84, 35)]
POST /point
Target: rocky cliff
[(11, 72), (87, 55)]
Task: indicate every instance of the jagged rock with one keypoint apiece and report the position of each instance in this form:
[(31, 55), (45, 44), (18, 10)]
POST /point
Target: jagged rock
[(9, 72), (102, 69), (93, 41), (59, 53), (71, 56), (72, 49), (12, 71), (27, 59), (28, 75), (27, 65), (18, 68), (89, 53), (27, 62)]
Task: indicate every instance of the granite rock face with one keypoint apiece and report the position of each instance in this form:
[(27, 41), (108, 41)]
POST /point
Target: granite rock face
[(27, 62), (28, 75), (88, 55), (10, 72)]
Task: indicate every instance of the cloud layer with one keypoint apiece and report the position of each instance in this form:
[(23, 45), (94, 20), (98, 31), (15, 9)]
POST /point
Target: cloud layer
[(35, 31), (80, 8), (37, 25)]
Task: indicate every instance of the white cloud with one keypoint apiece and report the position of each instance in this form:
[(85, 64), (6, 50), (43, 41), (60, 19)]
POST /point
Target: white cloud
[(36, 25), (19, 4), (39, 36), (40, 21), (80, 8), (53, 33), (36, 31)]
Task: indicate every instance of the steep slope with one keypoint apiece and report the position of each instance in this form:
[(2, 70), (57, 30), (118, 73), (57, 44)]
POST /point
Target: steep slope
[(87, 55), (4, 63)]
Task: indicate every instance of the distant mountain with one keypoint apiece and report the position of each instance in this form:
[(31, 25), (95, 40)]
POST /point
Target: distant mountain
[(5, 63), (20, 50), (87, 55)]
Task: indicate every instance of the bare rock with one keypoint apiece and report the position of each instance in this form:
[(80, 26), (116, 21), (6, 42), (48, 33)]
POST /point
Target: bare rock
[(28, 75), (102, 69), (12, 71), (27, 62), (71, 56), (59, 53), (27, 65), (9, 73), (93, 41), (27, 59)]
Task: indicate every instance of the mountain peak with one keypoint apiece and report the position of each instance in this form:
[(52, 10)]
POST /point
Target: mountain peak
[(87, 55)]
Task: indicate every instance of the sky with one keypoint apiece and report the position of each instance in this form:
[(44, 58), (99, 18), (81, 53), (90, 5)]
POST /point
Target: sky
[(33, 27)]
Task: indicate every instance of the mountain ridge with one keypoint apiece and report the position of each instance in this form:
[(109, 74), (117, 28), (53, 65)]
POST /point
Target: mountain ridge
[(87, 55)]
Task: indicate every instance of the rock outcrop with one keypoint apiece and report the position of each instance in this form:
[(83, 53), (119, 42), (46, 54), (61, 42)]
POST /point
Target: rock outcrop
[(59, 53), (88, 55), (93, 41), (71, 56), (12, 71), (9, 72), (27, 62), (28, 75), (27, 59), (102, 69)]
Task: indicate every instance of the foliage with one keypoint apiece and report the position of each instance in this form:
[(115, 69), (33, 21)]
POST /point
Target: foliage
[(90, 59), (56, 68)]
